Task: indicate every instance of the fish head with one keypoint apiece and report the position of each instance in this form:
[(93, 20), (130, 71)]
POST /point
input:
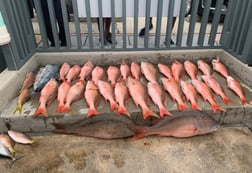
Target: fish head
[(206, 124)]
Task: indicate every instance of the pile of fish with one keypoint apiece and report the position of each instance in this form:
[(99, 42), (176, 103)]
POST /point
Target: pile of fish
[(117, 84), (7, 142)]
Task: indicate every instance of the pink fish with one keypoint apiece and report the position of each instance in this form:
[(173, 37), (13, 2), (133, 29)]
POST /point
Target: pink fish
[(190, 93), (135, 70), (92, 97), (191, 69), (219, 67), (113, 75), (206, 94), (98, 74), (125, 71), (63, 71), (20, 137), (47, 96), (165, 70), (121, 96), (175, 92), (86, 70), (73, 73), (237, 88), (158, 97), (76, 92), (62, 92), (140, 97), (28, 82), (212, 83), (178, 71), (149, 71), (107, 92), (205, 68)]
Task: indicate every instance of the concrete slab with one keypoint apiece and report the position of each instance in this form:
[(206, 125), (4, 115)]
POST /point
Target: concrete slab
[(236, 113), (226, 150)]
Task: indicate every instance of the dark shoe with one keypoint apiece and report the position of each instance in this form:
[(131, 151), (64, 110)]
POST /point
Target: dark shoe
[(142, 31), (109, 38)]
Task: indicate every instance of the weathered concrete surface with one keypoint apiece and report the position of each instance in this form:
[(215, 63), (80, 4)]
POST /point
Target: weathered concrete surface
[(226, 150)]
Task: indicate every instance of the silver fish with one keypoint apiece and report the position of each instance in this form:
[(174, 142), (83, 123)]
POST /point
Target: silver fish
[(44, 75)]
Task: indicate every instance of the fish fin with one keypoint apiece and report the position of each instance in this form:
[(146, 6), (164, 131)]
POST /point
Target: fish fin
[(226, 100), (18, 108), (216, 107), (140, 132), (122, 110), (113, 106), (51, 99), (13, 160), (147, 112), (60, 108), (182, 106), (41, 110), (67, 109), (195, 107), (163, 111), (244, 100), (92, 112)]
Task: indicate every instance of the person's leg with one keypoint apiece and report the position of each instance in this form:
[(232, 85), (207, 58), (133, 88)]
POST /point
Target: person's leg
[(142, 31), (59, 17), (46, 16), (108, 34), (173, 23)]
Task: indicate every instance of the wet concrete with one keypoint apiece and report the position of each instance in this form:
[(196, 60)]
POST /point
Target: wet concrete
[(226, 150)]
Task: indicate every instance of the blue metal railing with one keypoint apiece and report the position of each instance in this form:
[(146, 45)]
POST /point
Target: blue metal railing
[(236, 36)]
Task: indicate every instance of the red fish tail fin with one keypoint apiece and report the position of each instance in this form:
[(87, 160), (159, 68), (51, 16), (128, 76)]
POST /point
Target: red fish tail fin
[(182, 106), (244, 100), (66, 109), (226, 100), (92, 112), (163, 111), (216, 107), (113, 106), (122, 110), (147, 112), (60, 108), (41, 110), (140, 132), (195, 106)]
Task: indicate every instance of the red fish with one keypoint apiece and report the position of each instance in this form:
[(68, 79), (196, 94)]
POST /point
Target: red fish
[(140, 97), (149, 71), (190, 93), (23, 97), (121, 96), (206, 94), (86, 70), (175, 92), (28, 82), (113, 75), (135, 70), (219, 67), (125, 71), (165, 70), (63, 71), (158, 97), (76, 92), (98, 74), (47, 96), (107, 92), (178, 71), (73, 73), (93, 98), (237, 88), (62, 92), (212, 83), (191, 69), (205, 68), (180, 126)]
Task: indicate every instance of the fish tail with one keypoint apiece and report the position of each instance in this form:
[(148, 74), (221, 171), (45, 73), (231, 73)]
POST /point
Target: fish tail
[(92, 112), (67, 109), (60, 108), (163, 111), (182, 106), (140, 132), (195, 106), (113, 106), (216, 107), (41, 110), (122, 110), (244, 100), (18, 108), (13, 160), (226, 100), (147, 112)]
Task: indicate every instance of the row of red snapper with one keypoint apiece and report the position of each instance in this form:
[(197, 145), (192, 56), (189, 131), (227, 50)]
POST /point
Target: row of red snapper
[(115, 90)]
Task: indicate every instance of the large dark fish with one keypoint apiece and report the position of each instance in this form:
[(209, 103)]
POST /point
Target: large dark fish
[(44, 75), (184, 124), (105, 126)]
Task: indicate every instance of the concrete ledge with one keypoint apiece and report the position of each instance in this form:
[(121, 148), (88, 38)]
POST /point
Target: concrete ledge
[(236, 113)]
